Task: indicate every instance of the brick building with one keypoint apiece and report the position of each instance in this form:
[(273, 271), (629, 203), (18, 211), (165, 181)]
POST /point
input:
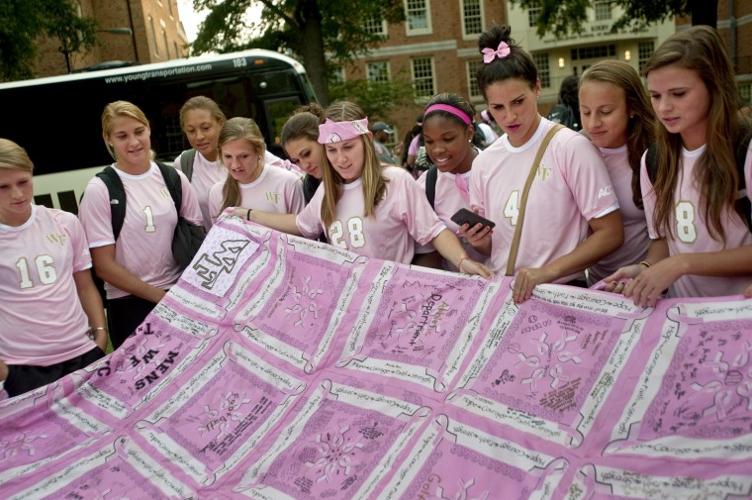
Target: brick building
[(557, 58), (735, 26), (143, 31), (436, 47)]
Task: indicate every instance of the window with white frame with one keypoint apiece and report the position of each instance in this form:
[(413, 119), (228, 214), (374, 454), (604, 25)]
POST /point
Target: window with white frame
[(377, 71), (376, 25), (154, 35), (544, 72), (644, 51), (337, 75), (602, 10), (532, 15), (423, 77), (472, 79), (418, 16), (166, 44), (472, 17), (745, 92)]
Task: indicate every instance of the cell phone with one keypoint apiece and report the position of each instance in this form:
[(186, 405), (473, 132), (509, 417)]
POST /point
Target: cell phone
[(465, 216)]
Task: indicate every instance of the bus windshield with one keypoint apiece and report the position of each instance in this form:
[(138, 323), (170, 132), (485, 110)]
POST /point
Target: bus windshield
[(58, 119)]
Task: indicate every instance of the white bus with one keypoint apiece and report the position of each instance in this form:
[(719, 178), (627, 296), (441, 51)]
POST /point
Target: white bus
[(58, 119)]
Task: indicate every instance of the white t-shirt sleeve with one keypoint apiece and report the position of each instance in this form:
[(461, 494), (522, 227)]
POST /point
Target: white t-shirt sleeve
[(215, 200), (95, 214), (190, 209), (413, 208), (587, 177), (294, 195), (309, 219), (477, 203), (79, 245)]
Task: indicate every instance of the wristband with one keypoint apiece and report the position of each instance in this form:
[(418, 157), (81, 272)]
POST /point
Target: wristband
[(644, 263), (248, 214)]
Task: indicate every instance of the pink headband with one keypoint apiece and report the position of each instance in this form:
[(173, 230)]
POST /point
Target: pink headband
[(451, 110), (331, 131), (501, 52)]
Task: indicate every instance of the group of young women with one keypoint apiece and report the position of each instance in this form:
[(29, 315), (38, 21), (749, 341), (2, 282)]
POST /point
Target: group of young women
[(646, 199)]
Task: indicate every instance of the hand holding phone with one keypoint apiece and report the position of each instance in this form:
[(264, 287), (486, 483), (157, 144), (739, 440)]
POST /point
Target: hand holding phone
[(465, 216)]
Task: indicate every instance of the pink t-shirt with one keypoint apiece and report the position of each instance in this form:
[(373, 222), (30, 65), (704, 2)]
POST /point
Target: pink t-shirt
[(41, 318), (636, 239), (276, 161), (145, 244), (570, 188), (401, 218), (451, 194), (205, 174), (414, 146), (690, 232), (276, 190)]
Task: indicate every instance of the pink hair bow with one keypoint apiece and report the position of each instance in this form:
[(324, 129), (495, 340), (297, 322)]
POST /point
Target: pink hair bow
[(501, 52)]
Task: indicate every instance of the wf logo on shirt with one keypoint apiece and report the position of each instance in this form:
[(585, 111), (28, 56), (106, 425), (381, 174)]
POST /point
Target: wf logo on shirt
[(272, 197)]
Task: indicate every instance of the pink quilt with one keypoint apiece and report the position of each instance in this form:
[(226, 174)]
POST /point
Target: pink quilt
[(281, 368)]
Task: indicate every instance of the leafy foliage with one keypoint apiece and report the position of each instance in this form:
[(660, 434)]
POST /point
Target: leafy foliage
[(377, 99), (317, 31), (561, 17), (22, 21)]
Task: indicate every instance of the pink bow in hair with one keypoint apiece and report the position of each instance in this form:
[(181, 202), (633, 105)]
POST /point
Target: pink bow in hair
[(501, 52)]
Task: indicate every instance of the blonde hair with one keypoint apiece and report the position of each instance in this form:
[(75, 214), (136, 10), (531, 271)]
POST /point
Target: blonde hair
[(119, 109), (641, 121), (232, 130), (14, 157), (374, 184), (205, 103)]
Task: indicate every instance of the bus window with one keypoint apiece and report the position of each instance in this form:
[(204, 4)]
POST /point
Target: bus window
[(58, 119), (277, 112)]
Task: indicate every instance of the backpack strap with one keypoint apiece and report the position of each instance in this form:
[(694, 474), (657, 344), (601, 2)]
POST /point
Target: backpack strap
[(186, 162), (116, 192), (431, 175), (173, 183)]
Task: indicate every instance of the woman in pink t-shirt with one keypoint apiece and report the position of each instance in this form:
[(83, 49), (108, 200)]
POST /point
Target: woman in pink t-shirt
[(701, 245), (365, 208), (250, 183), (448, 134), (51, 316), (138, 266), (201, 120), (299, 137), (571, 217), (616, 116)]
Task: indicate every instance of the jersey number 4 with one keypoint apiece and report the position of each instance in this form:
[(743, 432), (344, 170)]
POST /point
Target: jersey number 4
[(45, 270), (354, 229)]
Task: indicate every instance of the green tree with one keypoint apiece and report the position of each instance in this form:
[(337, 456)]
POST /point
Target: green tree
[(377, 99), (561, 17), (23, 21), (319, 32)]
